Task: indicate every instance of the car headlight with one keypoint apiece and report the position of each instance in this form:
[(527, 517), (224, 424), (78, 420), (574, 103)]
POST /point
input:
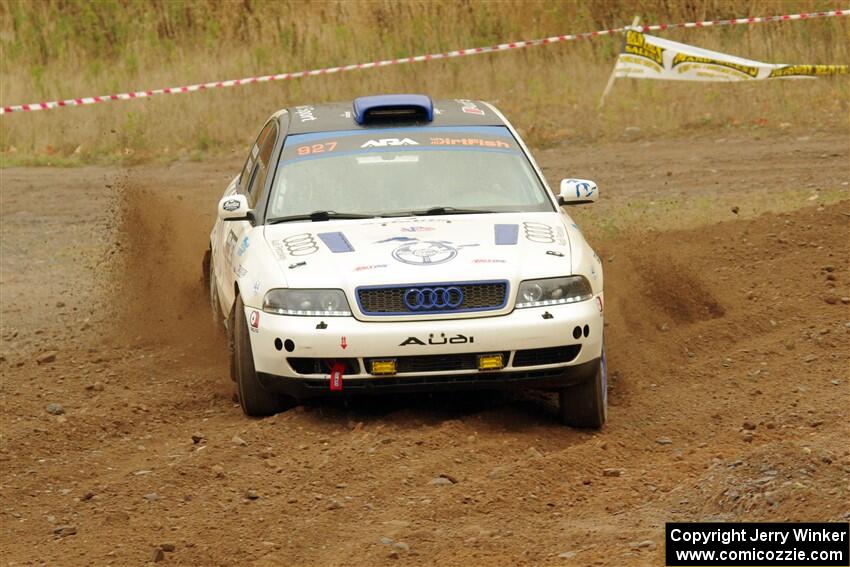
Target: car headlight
[(553, 291), (307, 302)]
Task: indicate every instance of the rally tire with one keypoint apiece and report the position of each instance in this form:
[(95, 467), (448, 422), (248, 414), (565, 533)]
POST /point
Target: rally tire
[(585, 405), (212, 289), (253, 398)]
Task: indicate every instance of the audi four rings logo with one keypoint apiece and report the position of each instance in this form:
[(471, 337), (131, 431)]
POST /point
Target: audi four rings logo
[(301, 244), (427, 298), (539, 232)]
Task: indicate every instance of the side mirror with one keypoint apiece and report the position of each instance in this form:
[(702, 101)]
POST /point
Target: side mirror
[(577, 191), (235, 208)]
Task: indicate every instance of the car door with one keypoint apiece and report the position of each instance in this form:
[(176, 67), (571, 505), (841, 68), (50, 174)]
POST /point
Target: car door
[(234, 236)]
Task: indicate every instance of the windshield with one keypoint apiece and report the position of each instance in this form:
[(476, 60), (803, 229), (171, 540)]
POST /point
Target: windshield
[(405, 170)]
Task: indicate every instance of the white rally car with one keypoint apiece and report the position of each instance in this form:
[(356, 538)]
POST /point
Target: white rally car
[(398, 244)]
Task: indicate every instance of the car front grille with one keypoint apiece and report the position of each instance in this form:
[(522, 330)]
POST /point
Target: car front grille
[(473, 296)]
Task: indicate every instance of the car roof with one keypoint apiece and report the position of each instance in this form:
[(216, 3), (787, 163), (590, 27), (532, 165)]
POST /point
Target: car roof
[(340, 116)]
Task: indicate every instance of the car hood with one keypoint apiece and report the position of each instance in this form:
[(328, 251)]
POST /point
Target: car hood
[(452, 248)]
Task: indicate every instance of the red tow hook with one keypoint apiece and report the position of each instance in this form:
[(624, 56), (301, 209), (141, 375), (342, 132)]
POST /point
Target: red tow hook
[(337, 371)]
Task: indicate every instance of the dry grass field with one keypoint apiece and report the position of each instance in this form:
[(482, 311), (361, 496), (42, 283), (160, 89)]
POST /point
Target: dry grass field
[(54, 49)]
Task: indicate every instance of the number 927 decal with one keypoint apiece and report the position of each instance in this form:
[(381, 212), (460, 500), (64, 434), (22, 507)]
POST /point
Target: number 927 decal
[(316, 148)]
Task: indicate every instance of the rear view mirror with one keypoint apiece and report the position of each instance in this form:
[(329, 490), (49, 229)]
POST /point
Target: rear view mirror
[(577, 191), (234, 208)]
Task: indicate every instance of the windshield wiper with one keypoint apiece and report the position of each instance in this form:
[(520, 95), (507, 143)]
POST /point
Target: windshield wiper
[(319, 216), (449, 211)]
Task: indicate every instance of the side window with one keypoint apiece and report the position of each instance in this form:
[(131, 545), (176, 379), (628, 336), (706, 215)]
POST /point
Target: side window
[(251, 185), (245, 176), (266, 145), (256, 166)]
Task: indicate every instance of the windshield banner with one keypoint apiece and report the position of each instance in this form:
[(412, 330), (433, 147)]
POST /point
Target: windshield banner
[(648, 57), (395, 140)]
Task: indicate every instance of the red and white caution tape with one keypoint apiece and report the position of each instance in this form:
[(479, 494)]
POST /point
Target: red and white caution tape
[(413, 59)]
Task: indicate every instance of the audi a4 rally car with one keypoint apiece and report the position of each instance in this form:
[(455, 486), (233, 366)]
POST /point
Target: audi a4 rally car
[(400, 244)]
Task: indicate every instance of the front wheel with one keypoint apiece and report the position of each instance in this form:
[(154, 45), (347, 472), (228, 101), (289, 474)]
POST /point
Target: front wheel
[(212, 288), (586, 404), (254, 399)]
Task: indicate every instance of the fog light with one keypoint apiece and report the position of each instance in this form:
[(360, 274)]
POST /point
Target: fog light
[(383, 367), (490, 362)]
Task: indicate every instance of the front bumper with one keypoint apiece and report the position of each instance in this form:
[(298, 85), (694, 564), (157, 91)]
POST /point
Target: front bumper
[(278, 340), (546, 379)]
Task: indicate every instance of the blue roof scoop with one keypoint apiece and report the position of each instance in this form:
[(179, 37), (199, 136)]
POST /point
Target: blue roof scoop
[(389, 108)]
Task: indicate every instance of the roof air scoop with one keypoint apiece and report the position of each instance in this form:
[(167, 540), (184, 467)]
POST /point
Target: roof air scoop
[(393, 108)]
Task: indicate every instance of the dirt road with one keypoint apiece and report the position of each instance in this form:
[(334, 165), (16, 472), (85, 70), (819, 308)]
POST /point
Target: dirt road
[(728, 342)]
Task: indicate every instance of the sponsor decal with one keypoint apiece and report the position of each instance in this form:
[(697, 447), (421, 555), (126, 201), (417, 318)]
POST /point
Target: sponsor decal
[(539, 232), (417, 228), (279, 249), (343, 343), (243, 246), (336, 242), (300, 244), (230, 205), (386, 142), (256, 287), (469, 107), (406, 142), (649, 57), (398, 239), (583, 188), (457, 339), (681, 58), (297, 265), (636, 44), (808, 71), (423, 252), (370, 267), (560, 235), (311, 149), (254, 321), (426, 253), (506, 234), (305, 113), (555, 253), (240, 271), (408, 221), (229, 246), (430, 298), (488, 261), (469, 142)]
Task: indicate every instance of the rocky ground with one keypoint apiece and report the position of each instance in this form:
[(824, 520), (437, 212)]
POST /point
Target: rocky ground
[(727, 328)]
